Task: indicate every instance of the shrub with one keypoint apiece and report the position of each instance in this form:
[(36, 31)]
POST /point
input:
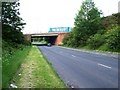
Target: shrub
[(96, 41), (110, 22), (113, 39), (67, 39)]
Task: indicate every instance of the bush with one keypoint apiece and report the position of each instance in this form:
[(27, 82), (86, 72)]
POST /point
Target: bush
[(11, 63), (104, 47), (110, 22), (10, 34), (113, 39), (96, 41), (67, 40), (27, 42)]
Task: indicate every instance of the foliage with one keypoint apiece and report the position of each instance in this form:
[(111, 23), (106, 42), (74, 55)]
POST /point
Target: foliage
[(93, 31), (27, 43), (110, 22), (12, 23), (96, 41), (87, 23), (9, 34), (11, 60), (10, 15), (113, 39), (67, 38), (12, 41), (117, 15)]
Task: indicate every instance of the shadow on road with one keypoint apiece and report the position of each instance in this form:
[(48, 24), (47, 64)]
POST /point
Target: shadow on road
[(38, 44)]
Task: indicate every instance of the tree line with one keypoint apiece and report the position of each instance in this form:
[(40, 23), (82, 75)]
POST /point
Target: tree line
[(12, 23), (94, 31)]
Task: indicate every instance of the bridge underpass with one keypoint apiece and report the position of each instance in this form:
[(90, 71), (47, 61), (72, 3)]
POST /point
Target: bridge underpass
[(53, 38), (48, 39)]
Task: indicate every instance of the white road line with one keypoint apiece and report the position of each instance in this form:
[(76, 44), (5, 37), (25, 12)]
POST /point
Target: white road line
[(104, 65), (73, 55)]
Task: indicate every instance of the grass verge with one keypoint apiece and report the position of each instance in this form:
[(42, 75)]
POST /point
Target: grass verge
[(101, 49), (36, 72), (11, 63)]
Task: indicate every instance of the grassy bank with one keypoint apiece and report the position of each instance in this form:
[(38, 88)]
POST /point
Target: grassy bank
[(103, 49), (11, 62), (35, 71), (0, 63)]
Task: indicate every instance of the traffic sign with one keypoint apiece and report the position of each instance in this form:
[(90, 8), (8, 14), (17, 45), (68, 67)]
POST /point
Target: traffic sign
[(60, 29)]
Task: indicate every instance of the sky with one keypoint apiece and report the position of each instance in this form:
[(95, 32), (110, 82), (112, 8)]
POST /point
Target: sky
[(40, 15)]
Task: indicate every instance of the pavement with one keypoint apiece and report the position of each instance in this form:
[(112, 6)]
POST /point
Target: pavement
[(83, 69)]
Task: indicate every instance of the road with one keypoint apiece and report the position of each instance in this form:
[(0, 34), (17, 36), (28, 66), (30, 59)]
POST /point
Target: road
[(82, 69)]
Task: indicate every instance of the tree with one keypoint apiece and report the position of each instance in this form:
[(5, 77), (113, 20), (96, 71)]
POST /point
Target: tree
[(9, 34), (11, 22), (87, 22), (10, 15)]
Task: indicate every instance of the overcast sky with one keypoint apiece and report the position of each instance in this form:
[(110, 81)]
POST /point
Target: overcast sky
[(40, 15)]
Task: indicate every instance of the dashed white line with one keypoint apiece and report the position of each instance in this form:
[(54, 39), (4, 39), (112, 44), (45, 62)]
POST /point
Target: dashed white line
[(104, 65), (73, 55)]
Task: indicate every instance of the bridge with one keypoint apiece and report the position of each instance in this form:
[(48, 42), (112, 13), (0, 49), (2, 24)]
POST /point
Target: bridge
[(54, 36)]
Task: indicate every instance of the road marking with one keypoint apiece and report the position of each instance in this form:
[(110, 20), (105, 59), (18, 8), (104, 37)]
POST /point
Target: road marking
[(104, 65), (73, 55)]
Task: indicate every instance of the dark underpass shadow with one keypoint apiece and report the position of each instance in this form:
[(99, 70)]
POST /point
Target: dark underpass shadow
[(40, 44)]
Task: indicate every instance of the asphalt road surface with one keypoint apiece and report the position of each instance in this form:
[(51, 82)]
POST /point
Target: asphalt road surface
[(82, 69)]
